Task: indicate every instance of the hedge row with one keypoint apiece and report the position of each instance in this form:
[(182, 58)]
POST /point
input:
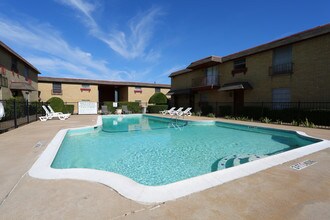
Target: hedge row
[(318, 117), (21, 109), (68, 109), (134, 107), (156, 108)]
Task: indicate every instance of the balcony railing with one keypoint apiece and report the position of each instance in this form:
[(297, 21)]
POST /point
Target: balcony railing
[(285, 68), (206, 81)]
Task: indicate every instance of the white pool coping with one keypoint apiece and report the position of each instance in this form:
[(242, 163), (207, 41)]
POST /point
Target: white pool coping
[(156, 194)]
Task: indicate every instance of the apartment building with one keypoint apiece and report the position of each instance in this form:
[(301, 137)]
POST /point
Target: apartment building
[(18, 78), (291, 69), (76, 90)]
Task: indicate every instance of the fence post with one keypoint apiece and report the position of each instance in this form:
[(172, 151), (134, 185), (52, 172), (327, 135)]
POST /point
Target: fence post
[(15, 114), (27, 111), (262, 109), (299, 112)]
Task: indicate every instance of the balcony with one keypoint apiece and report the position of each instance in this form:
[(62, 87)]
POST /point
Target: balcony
[(206, 83), (281, 69)]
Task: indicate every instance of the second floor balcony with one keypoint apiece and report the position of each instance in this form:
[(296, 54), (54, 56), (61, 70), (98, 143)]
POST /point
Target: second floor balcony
[(206, 82)]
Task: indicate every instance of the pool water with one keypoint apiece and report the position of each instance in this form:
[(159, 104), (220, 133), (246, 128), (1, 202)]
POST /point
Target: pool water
[(155, 151)]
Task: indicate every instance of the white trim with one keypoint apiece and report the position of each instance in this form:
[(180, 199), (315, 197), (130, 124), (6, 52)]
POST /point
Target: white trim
[(153, 194)]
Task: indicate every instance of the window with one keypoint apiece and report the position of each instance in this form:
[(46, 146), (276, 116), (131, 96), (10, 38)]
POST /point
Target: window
[(26, 73), (239, 66), (212, 75), (157, 90), (3, 81), (14, 64), (85, 87), (282, 61), (57, 88), (137, 89), (281, 98)]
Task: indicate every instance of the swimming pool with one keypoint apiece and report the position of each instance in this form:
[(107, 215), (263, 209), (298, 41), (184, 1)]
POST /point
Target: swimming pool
[(152, 159)]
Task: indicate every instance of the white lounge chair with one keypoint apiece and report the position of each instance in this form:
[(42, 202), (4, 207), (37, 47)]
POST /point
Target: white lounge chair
[(43, 118), (55, 114), (185, 112), (176, 112), (49, 115), (167, 111)]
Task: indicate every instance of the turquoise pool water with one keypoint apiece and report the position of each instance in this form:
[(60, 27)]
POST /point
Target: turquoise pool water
[(155, 151)]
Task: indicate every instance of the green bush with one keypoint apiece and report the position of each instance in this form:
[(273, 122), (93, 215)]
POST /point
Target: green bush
[(158, 98), (35, 108), (57, 104), (68, 109), (156, 108), (110, 106), (9, 108), (134, 107)]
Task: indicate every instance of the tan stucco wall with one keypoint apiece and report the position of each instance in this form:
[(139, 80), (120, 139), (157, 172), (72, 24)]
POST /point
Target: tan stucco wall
[(184, 81), (257, 75), (5, 92), (311, 78), (71, 93), (147, 92)]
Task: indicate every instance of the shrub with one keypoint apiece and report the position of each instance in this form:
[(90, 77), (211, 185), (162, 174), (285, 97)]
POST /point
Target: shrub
[(57, 104), (211, 115), (199, 113), (156, 108), (134, 107), (265, 120), (158, 98), (9, 108), (110, 106), (68, 109)]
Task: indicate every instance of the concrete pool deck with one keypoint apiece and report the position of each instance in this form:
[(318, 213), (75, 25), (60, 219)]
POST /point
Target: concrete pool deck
[(276, 193)]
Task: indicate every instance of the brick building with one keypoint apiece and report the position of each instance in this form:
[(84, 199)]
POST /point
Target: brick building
[(18, 78), (292, 69)]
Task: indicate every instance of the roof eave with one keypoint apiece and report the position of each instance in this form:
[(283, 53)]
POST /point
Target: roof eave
[(100, 82), (301, 36), (11, 51), (205, 62)]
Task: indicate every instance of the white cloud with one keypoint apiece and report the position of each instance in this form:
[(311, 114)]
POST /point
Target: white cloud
[(81, 5), (131, 44), (49, 52)]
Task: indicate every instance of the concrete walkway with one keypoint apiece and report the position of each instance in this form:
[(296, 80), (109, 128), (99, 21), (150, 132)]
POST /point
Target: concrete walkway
[(276, 193)]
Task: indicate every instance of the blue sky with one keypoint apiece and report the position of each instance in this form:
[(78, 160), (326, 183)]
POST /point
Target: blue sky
[(145, 40)]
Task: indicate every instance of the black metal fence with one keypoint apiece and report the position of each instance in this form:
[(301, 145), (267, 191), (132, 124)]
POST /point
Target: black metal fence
[(19, 112), (316, 112)]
